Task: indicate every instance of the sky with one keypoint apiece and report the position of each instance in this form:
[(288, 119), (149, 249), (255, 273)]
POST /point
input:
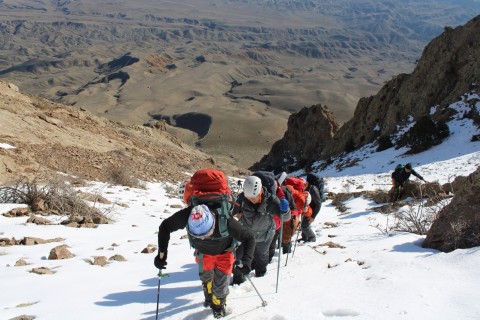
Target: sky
[(373, 275)]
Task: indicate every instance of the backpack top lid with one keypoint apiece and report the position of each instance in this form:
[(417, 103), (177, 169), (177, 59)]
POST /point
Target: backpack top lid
[(201, 221), (297, 183), (209, 181)]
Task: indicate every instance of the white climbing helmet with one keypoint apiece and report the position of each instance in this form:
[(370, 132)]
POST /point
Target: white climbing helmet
[(252, 186)]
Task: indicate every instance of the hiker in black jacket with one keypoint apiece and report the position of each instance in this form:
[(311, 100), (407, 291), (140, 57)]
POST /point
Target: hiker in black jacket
[(213, 252), (308, 235), (255, 208), (399, 176)]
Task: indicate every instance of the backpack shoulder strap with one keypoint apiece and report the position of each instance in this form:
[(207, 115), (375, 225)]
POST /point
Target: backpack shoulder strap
[(221, 203)]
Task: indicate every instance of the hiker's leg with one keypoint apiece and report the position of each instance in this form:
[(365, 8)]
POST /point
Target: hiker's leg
[(238, 277), (206, 272), (223, 266), (307, 232), (273, 246), (261, 256)]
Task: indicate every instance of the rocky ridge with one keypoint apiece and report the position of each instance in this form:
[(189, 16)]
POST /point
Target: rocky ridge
[(447, 69)]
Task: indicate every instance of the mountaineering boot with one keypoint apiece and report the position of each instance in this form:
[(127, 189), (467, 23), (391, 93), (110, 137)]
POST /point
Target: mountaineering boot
[(219, 312), (218, 307), (207, 292)]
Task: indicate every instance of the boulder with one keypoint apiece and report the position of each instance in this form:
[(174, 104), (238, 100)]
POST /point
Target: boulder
[(457, 225), (59, 253)]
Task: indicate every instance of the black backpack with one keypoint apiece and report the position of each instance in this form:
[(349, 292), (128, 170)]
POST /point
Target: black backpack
[(268, 180), (397, 170)]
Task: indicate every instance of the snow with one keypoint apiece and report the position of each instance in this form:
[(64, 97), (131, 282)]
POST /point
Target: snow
[(375, 276), (6, 146)]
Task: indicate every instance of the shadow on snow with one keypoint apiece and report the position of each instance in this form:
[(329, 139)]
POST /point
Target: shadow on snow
[(170, 298)]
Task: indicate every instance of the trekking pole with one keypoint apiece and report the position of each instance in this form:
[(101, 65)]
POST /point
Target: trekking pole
[(160, 276), (296, 239), (279, 251), (288, 253), (264, 303)]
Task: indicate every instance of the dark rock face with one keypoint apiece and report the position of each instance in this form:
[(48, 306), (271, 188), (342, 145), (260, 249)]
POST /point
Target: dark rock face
[(458, 224), (309, 130), (448, 68)]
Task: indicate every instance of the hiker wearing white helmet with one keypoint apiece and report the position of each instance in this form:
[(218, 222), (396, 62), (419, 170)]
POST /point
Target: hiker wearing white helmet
[(255, 208)]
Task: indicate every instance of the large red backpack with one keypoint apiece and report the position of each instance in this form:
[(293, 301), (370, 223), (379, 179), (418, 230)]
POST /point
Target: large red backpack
[(210, 187), (296, 185)]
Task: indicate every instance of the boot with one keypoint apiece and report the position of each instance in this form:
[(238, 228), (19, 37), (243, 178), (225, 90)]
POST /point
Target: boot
[(207, 292), (218, 307)]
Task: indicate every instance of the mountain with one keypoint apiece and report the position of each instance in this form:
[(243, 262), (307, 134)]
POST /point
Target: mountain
[(44, 138), (360, 267), (252, 61), (447, 70)]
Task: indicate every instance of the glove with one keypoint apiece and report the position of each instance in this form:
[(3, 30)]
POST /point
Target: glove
[(310, 220), (160, 260), (243, 269), (284, 205)]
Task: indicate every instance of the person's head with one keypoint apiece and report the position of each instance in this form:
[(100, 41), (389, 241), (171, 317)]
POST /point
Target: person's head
[(201, 222), (408, 167), (252, 188), (308, 197)]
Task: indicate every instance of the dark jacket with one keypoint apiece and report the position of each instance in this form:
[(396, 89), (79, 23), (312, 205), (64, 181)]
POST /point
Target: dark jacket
[(316, 203), (212, 245), (400, 175), (259, 217)]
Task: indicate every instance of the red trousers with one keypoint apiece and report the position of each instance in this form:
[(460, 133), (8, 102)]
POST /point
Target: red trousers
[(223, 262)]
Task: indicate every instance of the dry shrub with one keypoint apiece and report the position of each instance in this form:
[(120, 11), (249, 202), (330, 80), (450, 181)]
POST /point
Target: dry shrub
[(55, 195), (420, 214), (122, 175)]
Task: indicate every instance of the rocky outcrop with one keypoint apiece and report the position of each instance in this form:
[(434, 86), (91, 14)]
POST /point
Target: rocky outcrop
[(309, 130), (448, 68), (458, 224)]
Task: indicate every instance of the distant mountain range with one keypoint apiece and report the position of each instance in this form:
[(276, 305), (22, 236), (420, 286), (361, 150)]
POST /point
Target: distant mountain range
[(135, 61)]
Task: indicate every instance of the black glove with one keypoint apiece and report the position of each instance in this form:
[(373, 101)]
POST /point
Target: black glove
[(160, 260), (243, 269)]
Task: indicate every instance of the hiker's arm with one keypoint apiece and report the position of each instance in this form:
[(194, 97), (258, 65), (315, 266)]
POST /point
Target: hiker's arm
[(245, 236), (237, 207), (173, 223), (415, 173)]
